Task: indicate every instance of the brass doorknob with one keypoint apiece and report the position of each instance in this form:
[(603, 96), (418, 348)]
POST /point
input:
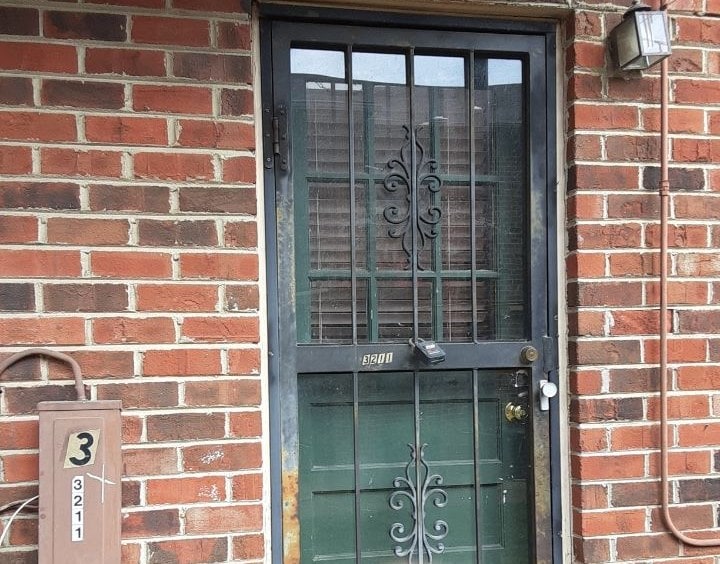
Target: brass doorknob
[(515, 412), (529, 354)]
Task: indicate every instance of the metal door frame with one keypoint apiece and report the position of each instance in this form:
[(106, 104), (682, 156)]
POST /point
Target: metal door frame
[(275, 174)]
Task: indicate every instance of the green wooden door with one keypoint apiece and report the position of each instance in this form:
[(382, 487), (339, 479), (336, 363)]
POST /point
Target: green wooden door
[(408, 180)]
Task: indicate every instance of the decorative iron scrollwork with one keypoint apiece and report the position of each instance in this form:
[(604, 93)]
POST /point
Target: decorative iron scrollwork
[(400, 215), (419, 540)]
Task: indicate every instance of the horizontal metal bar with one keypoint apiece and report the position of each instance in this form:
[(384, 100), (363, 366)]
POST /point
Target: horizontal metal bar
[(395, 274)]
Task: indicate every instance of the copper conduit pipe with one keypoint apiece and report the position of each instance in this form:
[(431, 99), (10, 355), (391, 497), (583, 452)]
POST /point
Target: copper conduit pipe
[(664, 207), (79, 387)]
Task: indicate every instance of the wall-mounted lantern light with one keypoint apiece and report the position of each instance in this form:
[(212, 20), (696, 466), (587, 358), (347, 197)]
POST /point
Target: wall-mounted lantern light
[(642, 39)]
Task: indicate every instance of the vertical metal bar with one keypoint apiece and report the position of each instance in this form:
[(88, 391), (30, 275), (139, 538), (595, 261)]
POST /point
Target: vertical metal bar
[(356, 462), (351, 175), (419, 522), (370, 229), (413, 192), (476, 449), (473, 204), (437, 301)]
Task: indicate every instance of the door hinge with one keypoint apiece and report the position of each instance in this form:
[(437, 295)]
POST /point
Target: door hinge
[(280, 138), (550, 354)]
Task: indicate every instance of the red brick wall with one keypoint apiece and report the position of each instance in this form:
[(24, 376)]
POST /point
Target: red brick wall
[(128, 239), (612, 266)]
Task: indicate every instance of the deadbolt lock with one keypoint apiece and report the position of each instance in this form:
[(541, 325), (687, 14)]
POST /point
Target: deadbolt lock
[(515, 412), (529, 354)]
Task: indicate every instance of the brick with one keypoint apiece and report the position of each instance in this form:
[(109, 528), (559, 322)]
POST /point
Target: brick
[(696, 150), (135, 3), (170, 31), (590, 496), (699, 321), (638, 380), (18, 229), (221, 329), (701, 434), (236, 102), (77, 25), (605, 352), (242, 297), (590, 116), (679, 236), (74, 162), (634, 264), (129, 552), (584, 147), (596, 177), (204, 67), (594, 410), (147, 199), (610, 522), (126, 264), (686, 61), (643, 89), (247, 487), (635, 493), (698, 377), (679, 293), (611, 466), (15, 160), (27, 369), (185, 426), (121, 130), (249, 547), (645, 206), (150, 523), (635, 322), (166, 233), (181, 362), (245, 425), (17, 297), (173, 166), (585, 55), (695, 264), (623, 148), (646, 546), (23, 532), (119, 330), (11, 493), (244, 361), (594, 236), (20, 467), (234, 266), (222, 457), (38, 57), (16, 91), (680, 120), (28, 126), (192, 551), (218, 200), (231, 6), (132, 428), (679, 350), (681, 407), (18, 435), (24, 400), (680, 178), (87, 231), (584, 87), (19, 21), (585, 381), (174, 99), (85, 297), (586, 323), (585, 265), (588, 440), (686, 518), (149, 461), (230, 393), (130, 62), (186, 490), (695, 91), (699, 490), (96, 364), (584, 23), (242, 518), (234, 35), (604, 293), (166, 298), (635, 438), (82, 94), (241, 234), (39, 263), (239, 169), (697, 207), (696, 30), (216, 134), (130, 493), (141, 395)]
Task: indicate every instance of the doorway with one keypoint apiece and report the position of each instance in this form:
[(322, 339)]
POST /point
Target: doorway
[(409, 248)]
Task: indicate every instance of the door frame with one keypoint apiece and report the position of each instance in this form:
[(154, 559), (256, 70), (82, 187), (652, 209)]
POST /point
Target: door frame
[(269, 13)]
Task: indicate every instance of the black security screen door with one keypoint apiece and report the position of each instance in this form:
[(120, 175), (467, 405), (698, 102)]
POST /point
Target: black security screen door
[(408, 180)]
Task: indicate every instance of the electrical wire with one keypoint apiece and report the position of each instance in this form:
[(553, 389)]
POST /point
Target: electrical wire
[(12, 517)]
